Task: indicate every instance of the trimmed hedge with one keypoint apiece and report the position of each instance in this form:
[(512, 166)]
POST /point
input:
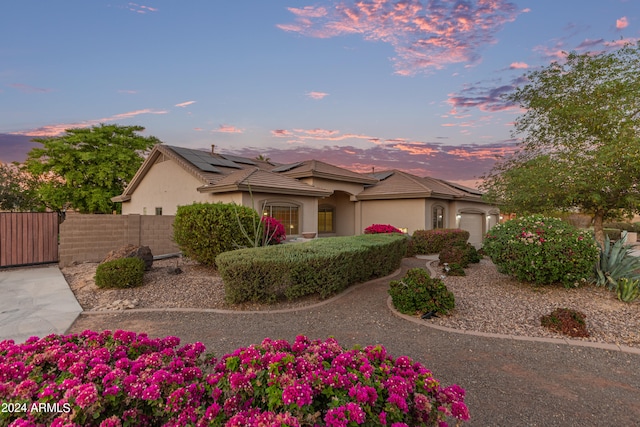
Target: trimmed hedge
[(321, 266), (426, 242), (205, 230), (120, 273)]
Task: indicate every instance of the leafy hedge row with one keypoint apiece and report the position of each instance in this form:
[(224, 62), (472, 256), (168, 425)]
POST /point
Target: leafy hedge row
[(321, 266), (432, 241)]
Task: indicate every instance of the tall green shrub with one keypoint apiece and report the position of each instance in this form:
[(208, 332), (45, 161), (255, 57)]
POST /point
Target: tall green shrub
[(205, 230), (542, 250), (432, 241)]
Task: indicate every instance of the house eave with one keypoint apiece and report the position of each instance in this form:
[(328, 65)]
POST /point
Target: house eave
[(230, 188), (316, 174), (393, 196)]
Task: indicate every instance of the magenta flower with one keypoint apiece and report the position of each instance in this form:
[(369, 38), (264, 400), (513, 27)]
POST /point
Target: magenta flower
[(125, 378)]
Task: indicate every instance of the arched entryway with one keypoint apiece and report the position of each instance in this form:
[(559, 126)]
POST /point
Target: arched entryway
[(336, 215)]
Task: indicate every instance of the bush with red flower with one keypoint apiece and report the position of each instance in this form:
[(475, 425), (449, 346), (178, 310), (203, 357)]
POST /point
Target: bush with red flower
[(273, 230), (123, 378), (381, 228)]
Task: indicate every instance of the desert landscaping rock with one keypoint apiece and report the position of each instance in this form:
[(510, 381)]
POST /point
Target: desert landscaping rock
[(132, 251)]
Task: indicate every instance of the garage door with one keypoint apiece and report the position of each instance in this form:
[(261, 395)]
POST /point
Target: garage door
[(473, 224)]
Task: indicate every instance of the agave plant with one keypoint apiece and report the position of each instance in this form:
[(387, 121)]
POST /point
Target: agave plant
[(616, 262)]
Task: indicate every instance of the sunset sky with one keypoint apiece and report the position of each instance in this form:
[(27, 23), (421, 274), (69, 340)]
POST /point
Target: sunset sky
[(411, 85)]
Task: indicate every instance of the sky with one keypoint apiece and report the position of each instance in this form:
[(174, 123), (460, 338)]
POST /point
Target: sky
[(414, 85)]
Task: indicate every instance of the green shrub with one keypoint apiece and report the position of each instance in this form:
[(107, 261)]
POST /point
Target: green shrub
[(417, 292), (542, 250), (459, 253), (205, 230), (454, 269), (320, 266), (432, 241), (120, 273)]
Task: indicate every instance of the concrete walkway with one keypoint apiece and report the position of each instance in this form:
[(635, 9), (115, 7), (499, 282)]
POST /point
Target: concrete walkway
[(35, 301)]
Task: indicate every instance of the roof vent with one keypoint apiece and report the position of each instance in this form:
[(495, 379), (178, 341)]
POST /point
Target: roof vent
[(213, 148)]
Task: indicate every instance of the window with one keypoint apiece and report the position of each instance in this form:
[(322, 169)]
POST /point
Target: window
[(158, 211), (326, 215), (286, 214), (438, 217)]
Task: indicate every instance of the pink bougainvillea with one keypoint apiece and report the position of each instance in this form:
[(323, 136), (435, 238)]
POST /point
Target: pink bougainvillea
[(381, 228), (274, 232), (122, 378)]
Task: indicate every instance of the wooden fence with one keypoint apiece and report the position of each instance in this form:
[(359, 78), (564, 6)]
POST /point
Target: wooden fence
[(28, 238)]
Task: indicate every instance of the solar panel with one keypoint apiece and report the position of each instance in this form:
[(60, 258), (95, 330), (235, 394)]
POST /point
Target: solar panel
[(222, 162), (381, 176), (239, 159), (285, 168), (204, 160), (206, 167)]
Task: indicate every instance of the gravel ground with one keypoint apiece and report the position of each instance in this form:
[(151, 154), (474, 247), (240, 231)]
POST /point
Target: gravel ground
[(486, 301)]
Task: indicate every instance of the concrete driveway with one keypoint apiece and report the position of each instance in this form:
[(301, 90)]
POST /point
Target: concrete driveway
[(35, 301)]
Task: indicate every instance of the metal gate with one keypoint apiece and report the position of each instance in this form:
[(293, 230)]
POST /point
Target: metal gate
[(28, 238)]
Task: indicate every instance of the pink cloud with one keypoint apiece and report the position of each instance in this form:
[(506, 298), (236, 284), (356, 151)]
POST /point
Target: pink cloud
[(308, 11), (142, 9), (519, 66), (303, 135), (130, 92), (281, 133), (29, 89), (417, 149), (184, 104), (317, 95), (60, 128), (622, 23), (424, 36), (229, 129)]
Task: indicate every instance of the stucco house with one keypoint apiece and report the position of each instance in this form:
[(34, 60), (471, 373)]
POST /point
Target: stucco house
[(308, 196)]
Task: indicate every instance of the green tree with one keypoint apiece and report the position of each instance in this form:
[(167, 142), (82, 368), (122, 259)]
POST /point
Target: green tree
[(580, 146), (17, 190), (263, 158), (84, 168)]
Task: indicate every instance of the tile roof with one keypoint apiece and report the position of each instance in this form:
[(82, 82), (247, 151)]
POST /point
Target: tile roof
[(397, 184), (258, 180), (319, 169)]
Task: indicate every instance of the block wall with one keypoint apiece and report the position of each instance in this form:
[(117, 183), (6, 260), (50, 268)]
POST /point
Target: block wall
[(89, 238)]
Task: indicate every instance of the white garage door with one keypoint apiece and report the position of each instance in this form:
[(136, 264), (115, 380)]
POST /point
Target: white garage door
[(473, 224)]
